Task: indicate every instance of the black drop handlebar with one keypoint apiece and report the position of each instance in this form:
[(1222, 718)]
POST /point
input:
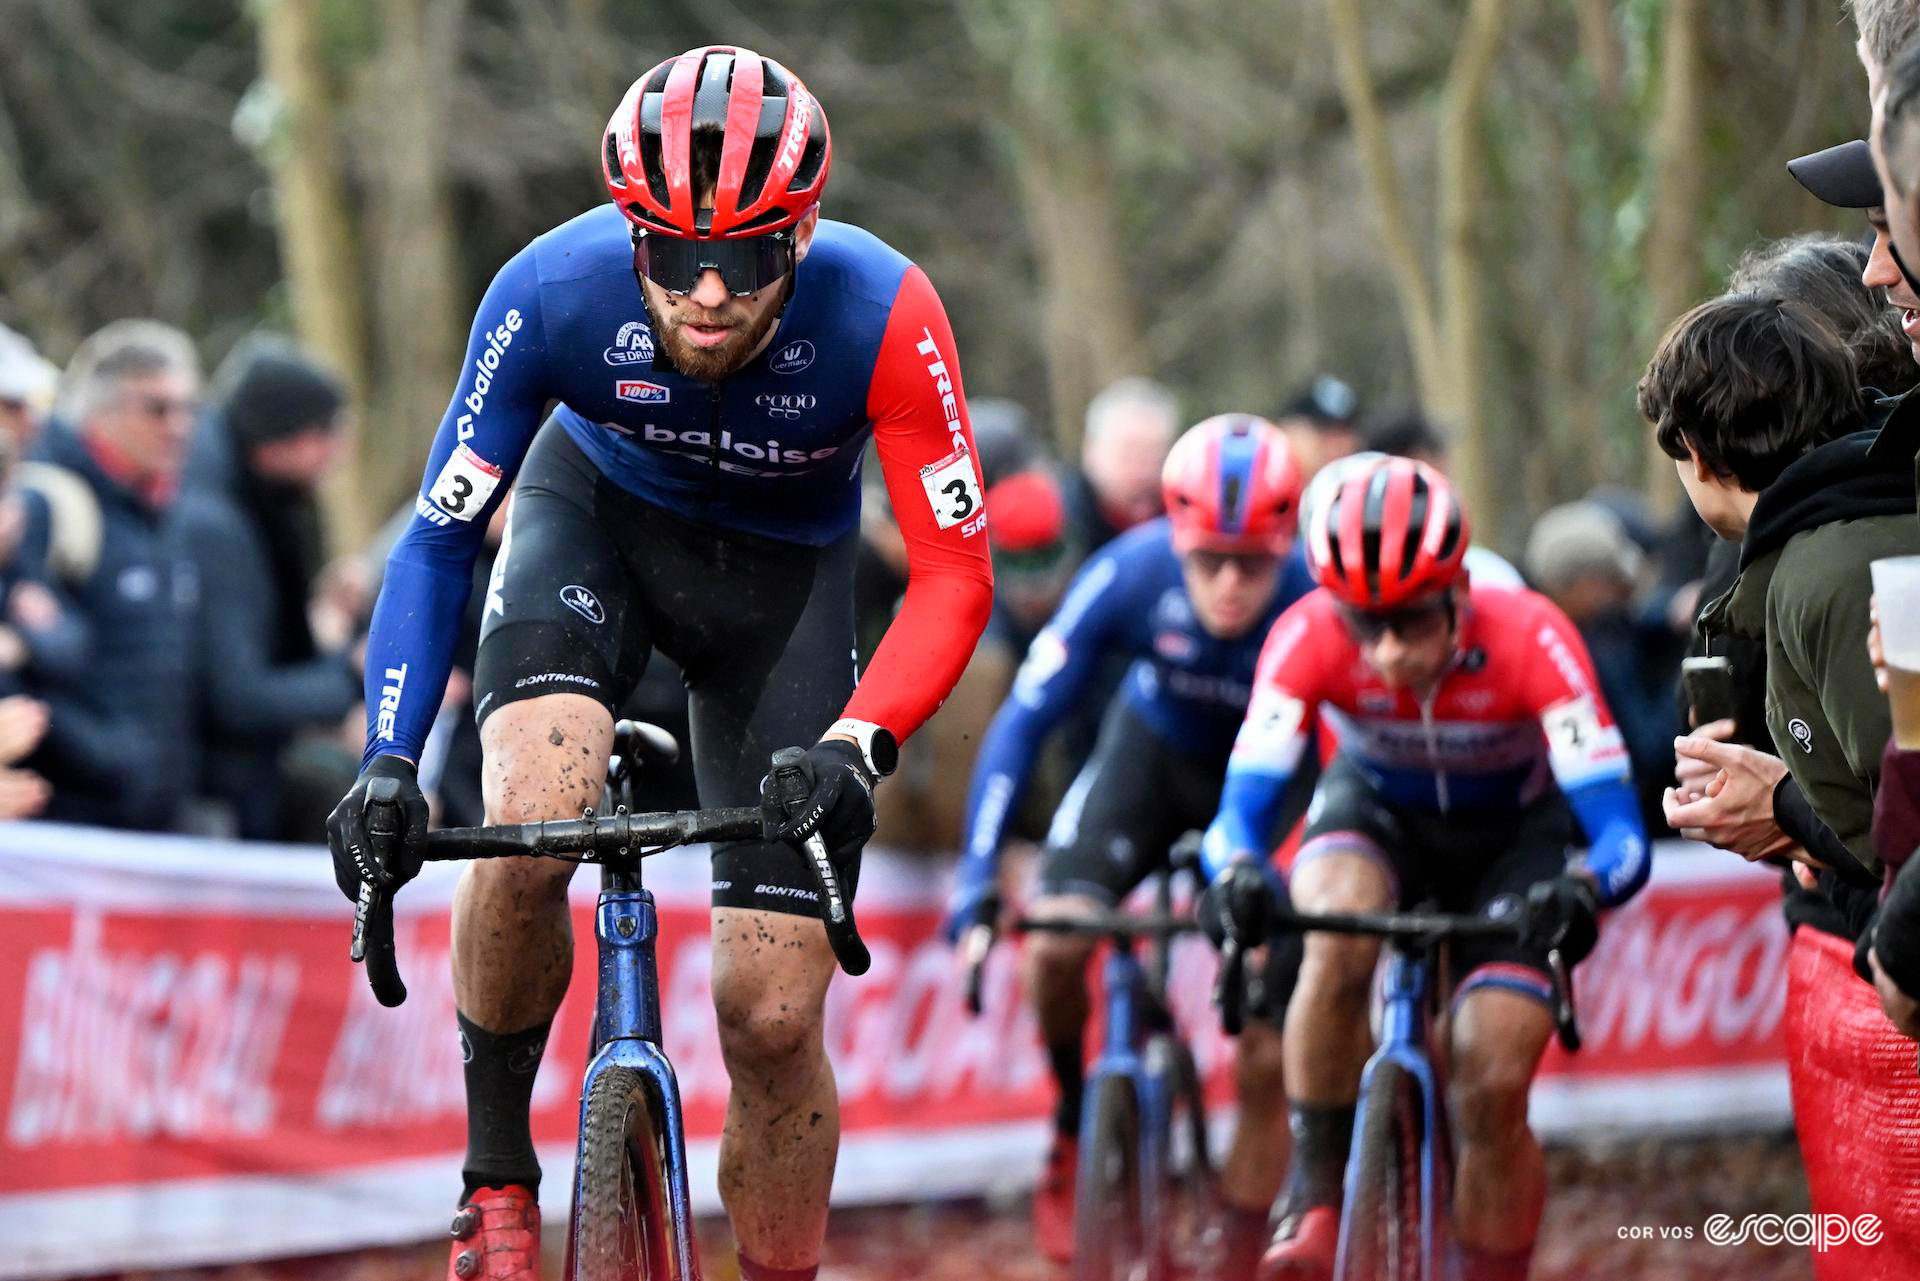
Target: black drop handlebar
[(594, 838), (1412, 930)]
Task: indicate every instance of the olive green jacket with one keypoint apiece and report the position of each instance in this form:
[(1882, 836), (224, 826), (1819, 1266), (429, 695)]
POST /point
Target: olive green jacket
[(1803, 591)]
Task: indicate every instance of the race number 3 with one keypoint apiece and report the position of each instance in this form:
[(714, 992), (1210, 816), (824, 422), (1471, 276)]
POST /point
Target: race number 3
[(464, 484), (953, 491)]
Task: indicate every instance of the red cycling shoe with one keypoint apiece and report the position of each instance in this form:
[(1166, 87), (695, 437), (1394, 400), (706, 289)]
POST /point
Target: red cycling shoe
[(496, 1237), (1306, 1253), (1053, 1201)]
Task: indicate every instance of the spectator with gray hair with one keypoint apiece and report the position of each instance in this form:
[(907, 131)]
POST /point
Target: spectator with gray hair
[(122, 746), (1130, 426), (1580, 556)]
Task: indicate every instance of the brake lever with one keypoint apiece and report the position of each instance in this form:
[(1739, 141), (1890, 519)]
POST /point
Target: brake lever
[(1565, 1019), (788, 787), (1229, 990), (974, 947), (373, 912)]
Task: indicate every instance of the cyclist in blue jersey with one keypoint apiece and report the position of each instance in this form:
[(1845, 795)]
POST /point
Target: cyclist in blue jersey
[(1472, 736), (718, 357), (1188, 598)]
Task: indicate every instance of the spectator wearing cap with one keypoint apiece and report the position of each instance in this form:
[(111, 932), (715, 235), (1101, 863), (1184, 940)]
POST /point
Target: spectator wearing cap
[(250, 516), (1321, 423), (27, 383), (122, 745), (1582, 558), (1130, 426)]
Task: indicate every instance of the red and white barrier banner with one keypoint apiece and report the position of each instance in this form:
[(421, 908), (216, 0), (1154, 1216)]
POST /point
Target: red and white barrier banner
[(191, 1071)]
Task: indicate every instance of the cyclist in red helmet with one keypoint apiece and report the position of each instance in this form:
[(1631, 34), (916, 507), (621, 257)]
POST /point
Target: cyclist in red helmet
[(719, 357), (1472, 735), (1186, 599)]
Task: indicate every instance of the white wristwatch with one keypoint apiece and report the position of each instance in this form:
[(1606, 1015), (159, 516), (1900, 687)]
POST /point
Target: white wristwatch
[(878, 747)]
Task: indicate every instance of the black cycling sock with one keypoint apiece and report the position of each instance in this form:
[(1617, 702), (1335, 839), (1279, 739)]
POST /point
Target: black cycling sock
[(500, 1071), (1322, 1137), (1070, 1073)]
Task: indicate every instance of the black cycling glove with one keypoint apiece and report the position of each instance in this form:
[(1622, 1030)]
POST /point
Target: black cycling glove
[(1564, 913), (839, 804), (354, 855), (1239, 905)]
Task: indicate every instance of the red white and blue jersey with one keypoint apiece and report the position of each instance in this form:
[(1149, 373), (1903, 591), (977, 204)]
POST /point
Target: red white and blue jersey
[(1519, 711), (863, 350)]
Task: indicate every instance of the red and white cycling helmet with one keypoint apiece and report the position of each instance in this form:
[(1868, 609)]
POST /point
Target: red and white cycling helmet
[(1390, 534), (1231, 484), (774, 154)]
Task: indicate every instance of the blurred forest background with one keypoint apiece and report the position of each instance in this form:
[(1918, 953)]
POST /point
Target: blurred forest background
[(1488, 206)]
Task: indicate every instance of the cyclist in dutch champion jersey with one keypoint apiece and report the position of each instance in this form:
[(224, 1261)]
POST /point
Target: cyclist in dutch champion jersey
[(1472, 735), (717, 357), (1187, 599)]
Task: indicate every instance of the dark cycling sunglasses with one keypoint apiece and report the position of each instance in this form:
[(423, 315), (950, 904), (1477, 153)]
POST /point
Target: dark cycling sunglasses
[(1414, 623), (746, 265), (1250, 564)]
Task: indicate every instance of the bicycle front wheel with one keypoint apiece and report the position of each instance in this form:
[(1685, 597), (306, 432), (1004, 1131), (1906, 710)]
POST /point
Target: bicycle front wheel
[(624, 1228), (1108, 1244), (1380, 1234)]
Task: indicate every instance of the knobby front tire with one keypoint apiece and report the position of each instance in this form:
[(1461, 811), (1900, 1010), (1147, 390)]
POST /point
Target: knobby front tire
[(1383, 1207), (1108, 1242), (625, 1230)]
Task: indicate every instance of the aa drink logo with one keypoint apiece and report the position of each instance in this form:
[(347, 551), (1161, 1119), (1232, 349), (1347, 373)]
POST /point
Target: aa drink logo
[(642, 392), (633, 345)]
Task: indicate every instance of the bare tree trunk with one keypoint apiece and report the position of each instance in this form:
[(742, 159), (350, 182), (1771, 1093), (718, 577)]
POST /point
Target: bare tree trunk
[(417, 303), (315, 222), (1674, 275), (1092, 332), (1600, 49), (1398, 236), (1463, 266)]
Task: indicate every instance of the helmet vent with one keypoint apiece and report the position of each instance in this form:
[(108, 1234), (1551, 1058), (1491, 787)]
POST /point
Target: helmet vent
[(614, 174)]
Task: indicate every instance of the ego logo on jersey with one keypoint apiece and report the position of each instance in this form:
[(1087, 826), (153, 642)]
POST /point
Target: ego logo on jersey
[(791, 358), (782, 405)]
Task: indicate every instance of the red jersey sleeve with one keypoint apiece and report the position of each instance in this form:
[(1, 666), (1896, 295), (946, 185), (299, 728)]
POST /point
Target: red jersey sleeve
[(1562, 689), (926, 451)]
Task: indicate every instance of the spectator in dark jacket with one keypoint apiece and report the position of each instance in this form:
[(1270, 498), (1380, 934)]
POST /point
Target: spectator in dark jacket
[(1582, 558), (250, 515), (1757, 400), (122, 744)]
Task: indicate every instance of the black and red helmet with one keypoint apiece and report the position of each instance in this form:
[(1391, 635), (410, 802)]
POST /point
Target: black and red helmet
[(773, 158), (1392, 533)]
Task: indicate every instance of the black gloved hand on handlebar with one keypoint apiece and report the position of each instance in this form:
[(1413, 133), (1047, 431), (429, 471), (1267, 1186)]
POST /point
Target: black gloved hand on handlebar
[(1239, 904), (839, 802), (355, 855), (1564, 912)]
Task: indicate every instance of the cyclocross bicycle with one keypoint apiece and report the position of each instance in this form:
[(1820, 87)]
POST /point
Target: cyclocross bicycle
[(1399, 1177), (1146, 1190), (632, 1219)]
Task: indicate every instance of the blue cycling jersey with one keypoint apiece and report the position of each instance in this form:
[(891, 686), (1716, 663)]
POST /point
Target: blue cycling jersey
[(773, 449), (1188, 686)]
